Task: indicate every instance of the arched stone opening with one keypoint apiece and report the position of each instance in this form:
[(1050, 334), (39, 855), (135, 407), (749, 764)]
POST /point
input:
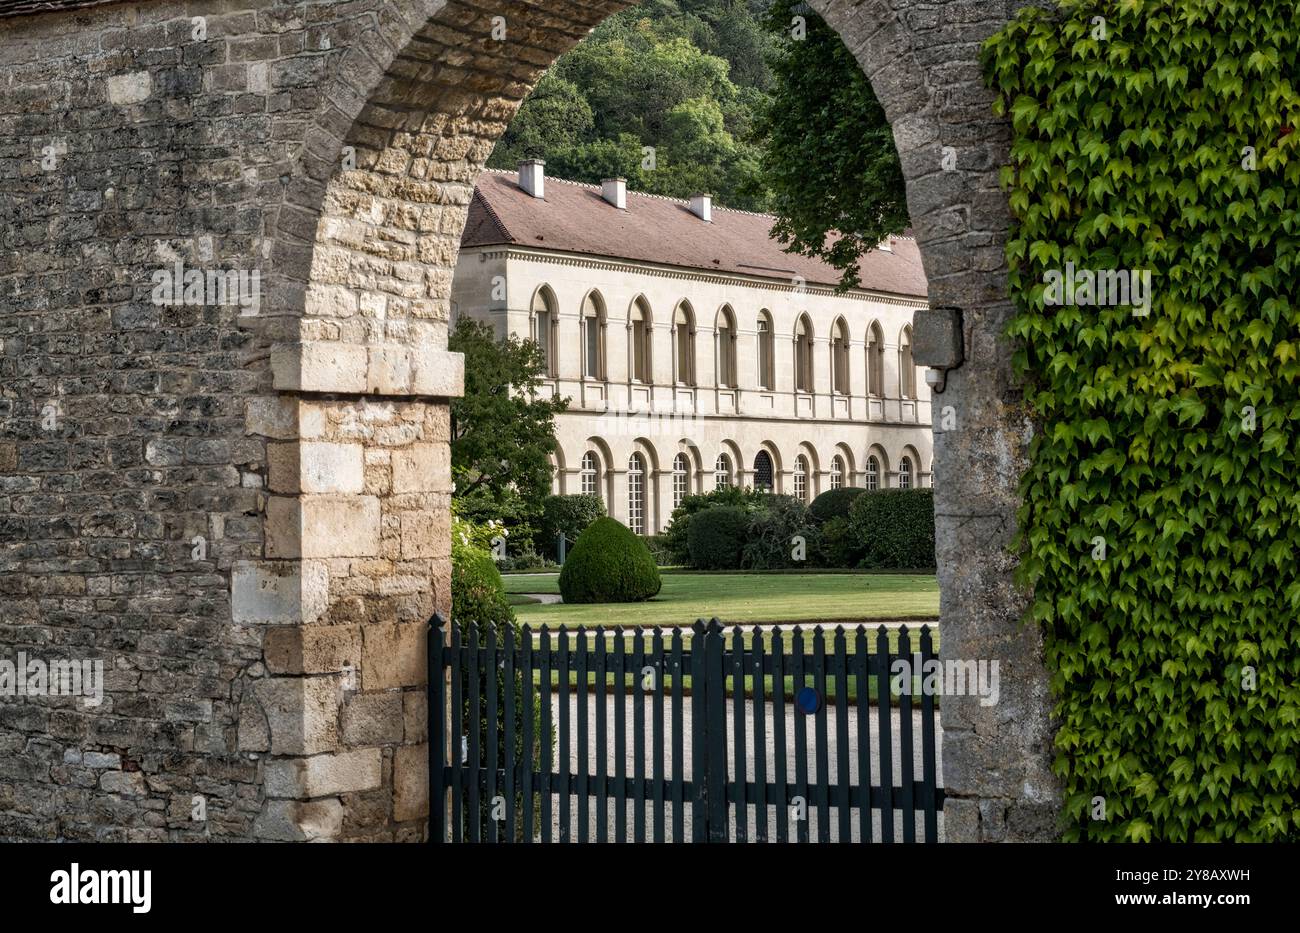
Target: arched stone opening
[(350, 195)]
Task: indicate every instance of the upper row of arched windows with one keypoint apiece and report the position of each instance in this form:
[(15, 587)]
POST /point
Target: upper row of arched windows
[(640, 346)]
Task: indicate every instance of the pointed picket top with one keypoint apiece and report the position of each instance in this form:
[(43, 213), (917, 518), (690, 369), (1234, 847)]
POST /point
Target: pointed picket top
[(436, 621)]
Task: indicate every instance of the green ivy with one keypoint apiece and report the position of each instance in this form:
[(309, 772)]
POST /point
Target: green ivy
[(1160, 523)]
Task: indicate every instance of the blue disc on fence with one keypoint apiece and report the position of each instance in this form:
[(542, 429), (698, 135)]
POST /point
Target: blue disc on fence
[(808, 701)]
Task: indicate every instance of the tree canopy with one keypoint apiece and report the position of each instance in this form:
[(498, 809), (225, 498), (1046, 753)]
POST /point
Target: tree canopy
[(757, 102)]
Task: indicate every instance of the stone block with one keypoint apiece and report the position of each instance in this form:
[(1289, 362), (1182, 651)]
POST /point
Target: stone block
[(320, 366), (393, 655), (325, 775), (266, 592), (301, 713), (340, 526), (425, 534), (374, 718), (411, 783), (299, 821), (312, 649), (422, 468)]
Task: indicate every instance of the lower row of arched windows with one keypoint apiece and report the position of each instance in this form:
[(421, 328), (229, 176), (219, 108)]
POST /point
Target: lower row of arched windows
[(724, 476)]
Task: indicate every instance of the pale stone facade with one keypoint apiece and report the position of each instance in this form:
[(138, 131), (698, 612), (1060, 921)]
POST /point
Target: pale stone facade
[(682, 415)]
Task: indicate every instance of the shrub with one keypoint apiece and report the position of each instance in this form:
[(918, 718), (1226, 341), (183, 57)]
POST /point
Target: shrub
[(716, 537), (838, 547), (676, 544), (894, 528), (834, 503), (770, 539), (609, 564), (478, 593), (567, 515)]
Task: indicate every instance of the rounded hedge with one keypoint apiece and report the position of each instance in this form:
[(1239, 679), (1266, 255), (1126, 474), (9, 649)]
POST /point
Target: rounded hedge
[(716, 537), (609, 564), (834, 503), (894, 529)]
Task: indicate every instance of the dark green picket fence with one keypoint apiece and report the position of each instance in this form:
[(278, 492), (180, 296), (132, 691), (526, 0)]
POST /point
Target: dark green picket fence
[(508, 783)]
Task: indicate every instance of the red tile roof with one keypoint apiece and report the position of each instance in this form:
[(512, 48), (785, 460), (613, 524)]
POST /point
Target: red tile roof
[(574, 218)]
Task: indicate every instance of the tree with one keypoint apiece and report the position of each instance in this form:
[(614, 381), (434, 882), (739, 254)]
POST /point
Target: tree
[(829, 160), (502, 431)]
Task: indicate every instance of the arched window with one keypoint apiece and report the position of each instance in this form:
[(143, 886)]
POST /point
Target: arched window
[(763, 471), (840, 357), (873, 473), (875, 361), (905, 473), (684, 344), (906, 368), (593, 336), (590, 474), (837, 472), (722, 472), (803, 361), (681, 478), (543, 326), (640, 340), (801, 478), (726, 347), (636, 494), (766, 374)]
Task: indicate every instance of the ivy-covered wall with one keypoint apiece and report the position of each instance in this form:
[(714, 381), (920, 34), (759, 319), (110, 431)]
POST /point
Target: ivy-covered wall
[(1161, 517)]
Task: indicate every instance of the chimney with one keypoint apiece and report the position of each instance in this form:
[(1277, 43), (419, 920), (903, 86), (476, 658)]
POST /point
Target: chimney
[(702, 207), (532, 177), (614, 190)]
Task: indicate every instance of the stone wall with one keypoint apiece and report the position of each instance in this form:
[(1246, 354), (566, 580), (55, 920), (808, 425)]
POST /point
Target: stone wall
[(241, 508)]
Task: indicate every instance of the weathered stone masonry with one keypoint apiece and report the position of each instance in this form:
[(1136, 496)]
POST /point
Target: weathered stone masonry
[(243, 510)]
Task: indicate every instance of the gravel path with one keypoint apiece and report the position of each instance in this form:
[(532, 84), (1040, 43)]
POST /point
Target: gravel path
[(815, 833)]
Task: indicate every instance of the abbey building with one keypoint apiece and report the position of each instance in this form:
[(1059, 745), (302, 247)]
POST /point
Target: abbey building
[(695, 351)]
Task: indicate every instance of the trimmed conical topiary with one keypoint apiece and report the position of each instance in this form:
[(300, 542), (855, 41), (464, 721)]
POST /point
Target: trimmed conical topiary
[(609, 564)]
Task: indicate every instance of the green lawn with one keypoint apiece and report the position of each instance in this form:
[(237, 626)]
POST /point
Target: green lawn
[(744, 597)]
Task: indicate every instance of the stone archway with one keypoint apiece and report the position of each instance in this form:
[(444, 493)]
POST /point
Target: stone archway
[(337, 153), (423, 125)]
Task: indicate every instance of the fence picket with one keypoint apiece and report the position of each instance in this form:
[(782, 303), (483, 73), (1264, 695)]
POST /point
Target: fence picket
[(657, 661), (929, 779), (760, 737), (843, 782), (457, 739), (822, 742), (620, 738), (884, 720), (602, 744), (511, 755), (492, 749), (544, 817), (638, 736), (437, 678), (679, 741), (905, 749), (474, 758), (779, 750), (739, 768), (562, 759), (526, 763), (861, 669), (581, 697), (800, 736)]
